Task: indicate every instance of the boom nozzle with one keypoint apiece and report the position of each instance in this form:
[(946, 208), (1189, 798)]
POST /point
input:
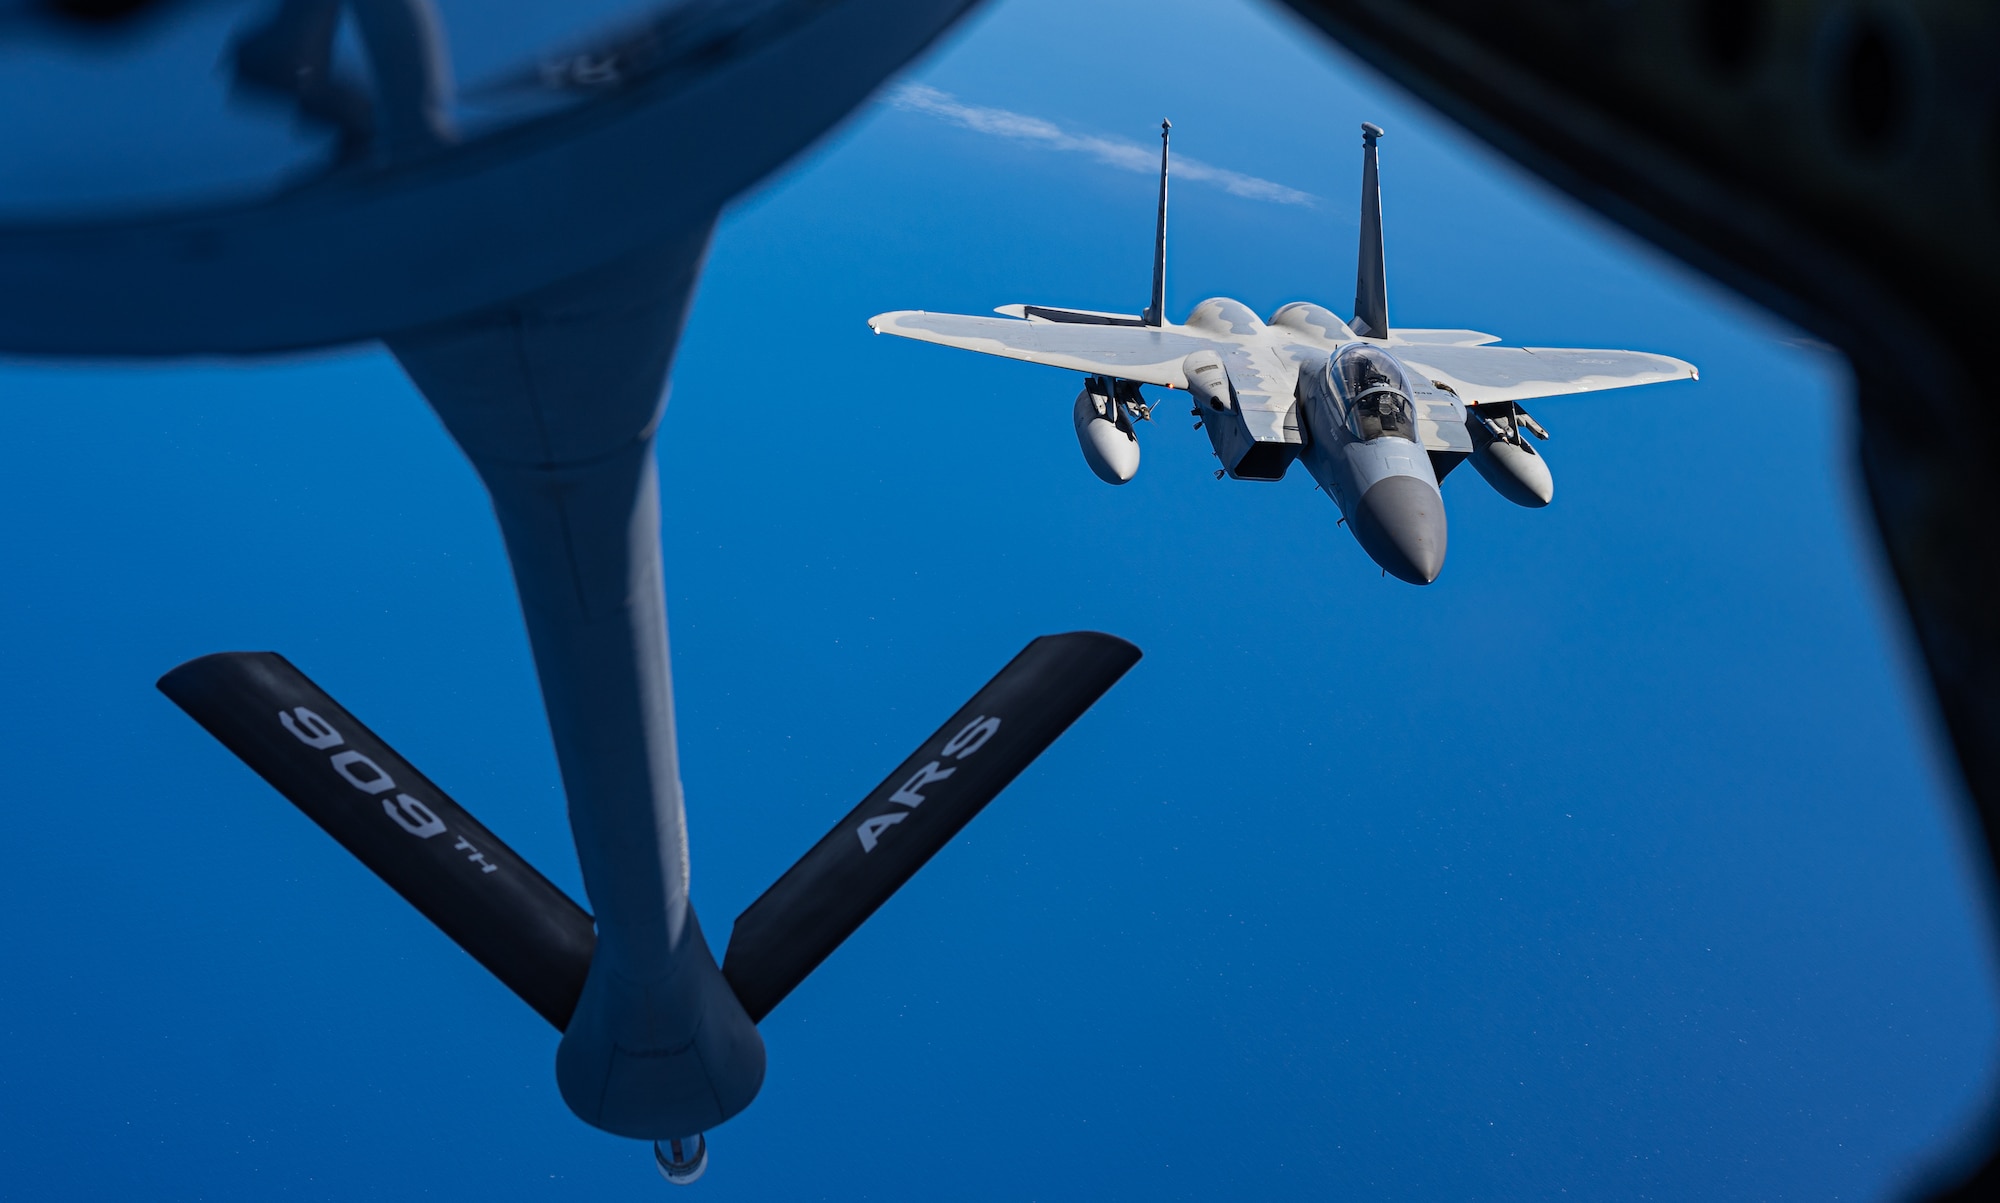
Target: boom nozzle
[(681, 1160)]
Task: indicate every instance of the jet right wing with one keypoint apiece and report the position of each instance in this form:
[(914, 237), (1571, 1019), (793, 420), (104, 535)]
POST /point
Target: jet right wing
[(1440, 338), (1485, 374), (1143, 353)]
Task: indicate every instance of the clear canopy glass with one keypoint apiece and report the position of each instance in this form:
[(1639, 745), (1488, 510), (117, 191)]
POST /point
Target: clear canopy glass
[(1372, 384)]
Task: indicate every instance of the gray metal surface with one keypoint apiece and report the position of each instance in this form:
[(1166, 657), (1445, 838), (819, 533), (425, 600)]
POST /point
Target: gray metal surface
[(555, 399), (1401, 523)]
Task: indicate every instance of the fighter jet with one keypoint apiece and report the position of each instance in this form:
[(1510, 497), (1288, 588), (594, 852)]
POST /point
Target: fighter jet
[(1379, 416)]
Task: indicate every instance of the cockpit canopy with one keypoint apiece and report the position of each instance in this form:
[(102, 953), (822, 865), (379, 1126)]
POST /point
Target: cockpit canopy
[(1377, 397)]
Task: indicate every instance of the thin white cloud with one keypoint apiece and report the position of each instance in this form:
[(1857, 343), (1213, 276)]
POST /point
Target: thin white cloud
[(1112, 152)]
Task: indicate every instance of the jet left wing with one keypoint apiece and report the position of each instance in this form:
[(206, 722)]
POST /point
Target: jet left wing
[(1485, 374), (1440, 338), (1142, 353)]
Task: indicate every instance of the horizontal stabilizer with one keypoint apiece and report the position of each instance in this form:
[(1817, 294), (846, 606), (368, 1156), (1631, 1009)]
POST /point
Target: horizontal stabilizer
[(393, 819), (881, 844)]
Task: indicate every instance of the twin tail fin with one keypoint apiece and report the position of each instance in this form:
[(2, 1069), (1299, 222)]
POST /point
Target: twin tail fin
[(1371, 284)]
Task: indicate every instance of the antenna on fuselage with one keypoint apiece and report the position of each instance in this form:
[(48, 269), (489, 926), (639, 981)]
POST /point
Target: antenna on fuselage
[(1371, 282), (1156, 312)]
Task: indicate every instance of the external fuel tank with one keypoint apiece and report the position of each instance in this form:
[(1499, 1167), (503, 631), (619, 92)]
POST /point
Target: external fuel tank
[(1510, 463), (1104, 431)]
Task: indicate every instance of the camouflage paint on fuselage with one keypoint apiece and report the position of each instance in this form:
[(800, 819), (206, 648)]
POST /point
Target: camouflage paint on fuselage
[(1271, 393)]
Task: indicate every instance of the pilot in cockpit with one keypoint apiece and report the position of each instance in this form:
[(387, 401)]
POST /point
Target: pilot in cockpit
[(1378, 406)]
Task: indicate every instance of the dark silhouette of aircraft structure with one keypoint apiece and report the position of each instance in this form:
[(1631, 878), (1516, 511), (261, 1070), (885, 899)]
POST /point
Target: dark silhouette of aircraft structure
[(526, 247), (1831, 161)]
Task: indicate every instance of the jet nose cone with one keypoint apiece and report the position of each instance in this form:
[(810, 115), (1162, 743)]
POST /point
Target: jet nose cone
[(1400, 523)]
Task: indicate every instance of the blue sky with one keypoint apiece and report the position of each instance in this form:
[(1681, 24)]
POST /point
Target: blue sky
[(1622, 862)]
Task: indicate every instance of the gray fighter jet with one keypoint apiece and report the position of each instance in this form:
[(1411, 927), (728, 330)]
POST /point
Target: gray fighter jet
[(1379, 416)]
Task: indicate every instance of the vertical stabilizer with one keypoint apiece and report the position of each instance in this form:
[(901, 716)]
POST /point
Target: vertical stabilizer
[(1371, 284), (1156, 311)]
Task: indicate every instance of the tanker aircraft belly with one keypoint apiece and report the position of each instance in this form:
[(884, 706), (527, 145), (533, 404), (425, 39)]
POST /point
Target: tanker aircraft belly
[(526, 249), (1378, 416)]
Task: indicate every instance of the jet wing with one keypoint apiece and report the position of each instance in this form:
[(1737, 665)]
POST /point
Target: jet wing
[(1142, 353), (1483, 374), (1441, 338)]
